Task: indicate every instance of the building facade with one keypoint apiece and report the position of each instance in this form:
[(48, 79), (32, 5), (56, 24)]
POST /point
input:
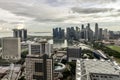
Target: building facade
[(11, 48), (40, 48), (39, 67), (73, 53)]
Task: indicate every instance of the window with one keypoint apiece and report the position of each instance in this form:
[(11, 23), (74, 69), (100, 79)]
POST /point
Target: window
[(38, 67), (36, 77), (101, 76), (110, 77), (105, 76), (73, 60)]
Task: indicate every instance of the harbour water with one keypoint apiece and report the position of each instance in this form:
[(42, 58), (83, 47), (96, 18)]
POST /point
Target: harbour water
[(60, 43)]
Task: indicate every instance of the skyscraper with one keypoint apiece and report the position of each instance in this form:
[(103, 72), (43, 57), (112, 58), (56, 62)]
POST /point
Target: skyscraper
[(82, 26), (96, 35), (100, 33), (20, 33), (82, 32), (72, 33), (88, 33), (11, 48), (58, 33)]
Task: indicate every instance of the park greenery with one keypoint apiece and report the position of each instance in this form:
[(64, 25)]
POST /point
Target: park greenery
[(114, 47), (23, 56), (89, 53), (106, 50), (69, 72)]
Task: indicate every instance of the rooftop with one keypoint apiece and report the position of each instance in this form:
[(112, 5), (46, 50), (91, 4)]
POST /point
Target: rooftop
[(98, 66)]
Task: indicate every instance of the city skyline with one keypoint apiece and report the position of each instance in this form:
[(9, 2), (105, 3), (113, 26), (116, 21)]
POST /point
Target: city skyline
[(43, 15)]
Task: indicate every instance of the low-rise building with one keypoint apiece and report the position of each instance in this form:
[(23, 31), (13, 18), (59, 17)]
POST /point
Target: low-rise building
[(96, 70), (73, 53)]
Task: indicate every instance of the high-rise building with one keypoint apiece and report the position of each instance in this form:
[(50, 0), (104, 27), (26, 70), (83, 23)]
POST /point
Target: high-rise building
[(20, 33), (39, 67), (77, 33), (111, 34), (100, 33), (82, 26), (96, 35), (88, 33), (11, 48), (82, 32), (58, 33), (72, 33)]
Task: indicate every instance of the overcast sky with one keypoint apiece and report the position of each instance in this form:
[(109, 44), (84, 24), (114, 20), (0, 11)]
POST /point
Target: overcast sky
[(43, 15)]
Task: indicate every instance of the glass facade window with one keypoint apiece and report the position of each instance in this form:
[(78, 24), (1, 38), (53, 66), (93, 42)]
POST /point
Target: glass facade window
[(38, 67), (36, 77)]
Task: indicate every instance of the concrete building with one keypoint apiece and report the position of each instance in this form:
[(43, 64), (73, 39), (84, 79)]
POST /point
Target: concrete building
[(40, 48), (20, 33), (97, 70), (39, 67), (73, 53), (11, 48)]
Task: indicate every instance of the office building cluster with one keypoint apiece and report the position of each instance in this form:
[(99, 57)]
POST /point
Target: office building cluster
[(73, 33), (85, 33), (58, 33), (101, 34), (11, 46), (114, 34)]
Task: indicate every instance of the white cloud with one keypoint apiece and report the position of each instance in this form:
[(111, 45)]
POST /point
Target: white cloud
[(49, 13)]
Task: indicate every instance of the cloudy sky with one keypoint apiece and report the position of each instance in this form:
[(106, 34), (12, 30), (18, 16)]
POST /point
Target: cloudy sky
[(43, 15)]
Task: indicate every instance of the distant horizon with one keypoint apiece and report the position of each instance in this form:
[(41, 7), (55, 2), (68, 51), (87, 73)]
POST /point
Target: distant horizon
[(49, 30)]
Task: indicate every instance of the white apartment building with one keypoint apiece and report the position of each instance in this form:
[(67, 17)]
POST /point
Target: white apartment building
[(11, 48)]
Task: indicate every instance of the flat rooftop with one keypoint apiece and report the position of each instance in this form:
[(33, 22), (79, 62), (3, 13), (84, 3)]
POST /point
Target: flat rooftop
[(98, 66)]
